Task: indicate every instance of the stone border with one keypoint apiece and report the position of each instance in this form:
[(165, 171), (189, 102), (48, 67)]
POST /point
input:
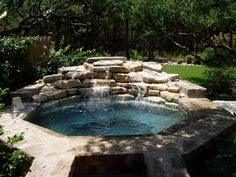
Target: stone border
[(165, 153)]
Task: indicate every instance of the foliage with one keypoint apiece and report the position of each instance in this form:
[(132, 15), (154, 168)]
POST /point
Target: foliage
[(217, 57), (9, 158), (222, 161), (17, 70), (64, 57), (220, 81), (3, 92), (15, 47), (135, 55)]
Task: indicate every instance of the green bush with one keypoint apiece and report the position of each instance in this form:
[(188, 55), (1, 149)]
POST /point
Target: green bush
[(10, 159), (219, 81), (217, 57), (3, 93), (55, 59), (135, 55), (16, 70)]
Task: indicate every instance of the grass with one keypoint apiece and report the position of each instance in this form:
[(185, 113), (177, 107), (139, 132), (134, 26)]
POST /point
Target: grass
[(194, 74)]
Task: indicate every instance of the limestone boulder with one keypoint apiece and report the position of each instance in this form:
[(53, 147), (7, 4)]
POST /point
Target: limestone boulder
[(191, 90), (191, 105), (71, 74), (125, 85), (118, 90), (27, 92), (173, 89), (39, 98), (121, 77), (137, 92), (153, 66), (153, 77), (108, 63), (119, 69), (67, 84), (98, 82), (52, 78), (55, 94), (94, 92), (65, 70), (153, 92), (154, 99), (160, 87), (95, 59), (84, 75), (72, 91), (170, 97), (134, 66)]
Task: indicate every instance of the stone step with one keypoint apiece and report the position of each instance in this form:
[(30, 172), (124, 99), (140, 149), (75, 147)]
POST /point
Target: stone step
[(191, 90), (67, 84), (95, 59), (108, 63), (126, 78)]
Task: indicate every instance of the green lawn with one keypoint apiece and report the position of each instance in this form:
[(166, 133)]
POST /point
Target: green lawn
[(194, 74)]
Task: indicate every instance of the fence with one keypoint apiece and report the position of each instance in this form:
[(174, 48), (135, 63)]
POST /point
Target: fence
[(37, 51)]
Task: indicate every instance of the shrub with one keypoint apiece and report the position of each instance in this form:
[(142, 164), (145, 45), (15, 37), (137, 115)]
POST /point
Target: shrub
[(217, 57), (55, 59), (135, 55), (3, 93), (17, 70), (219, 81), (10, 159)]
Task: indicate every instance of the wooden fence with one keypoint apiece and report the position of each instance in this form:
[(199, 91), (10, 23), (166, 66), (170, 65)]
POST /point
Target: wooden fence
[(37, 51)]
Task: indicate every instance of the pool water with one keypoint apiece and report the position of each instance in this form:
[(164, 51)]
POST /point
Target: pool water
[(106, 118)]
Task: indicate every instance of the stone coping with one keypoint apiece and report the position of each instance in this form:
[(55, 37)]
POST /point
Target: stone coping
[(54, 153)]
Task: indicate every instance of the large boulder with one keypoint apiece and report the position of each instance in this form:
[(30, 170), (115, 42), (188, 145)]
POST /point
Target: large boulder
[(153, 66), (191, 90), (95, 59), (191, 105), (52, 78), (99, 82), (67, 84)]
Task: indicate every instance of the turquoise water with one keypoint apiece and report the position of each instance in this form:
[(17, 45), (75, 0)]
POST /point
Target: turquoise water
[(107, 118)]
